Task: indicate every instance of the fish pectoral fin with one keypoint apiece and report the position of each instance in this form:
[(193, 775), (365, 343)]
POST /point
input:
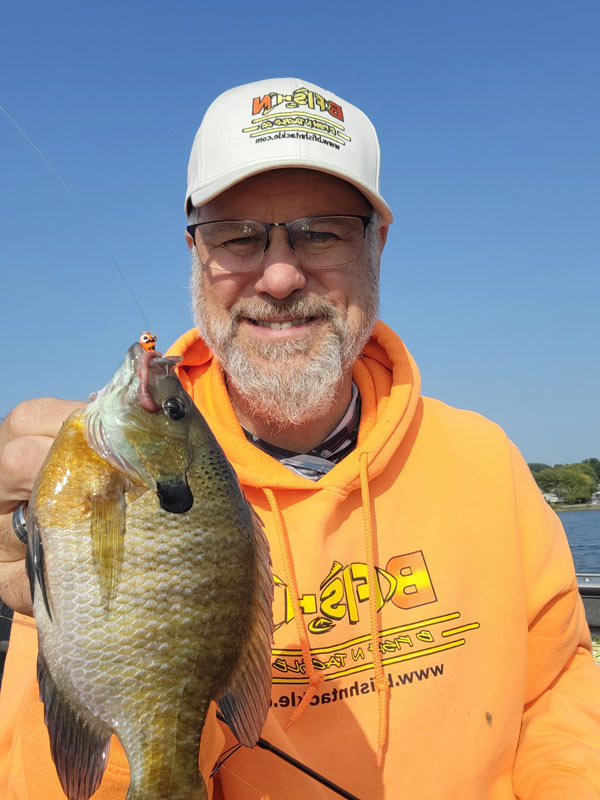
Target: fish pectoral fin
[(245, 702), (79, 744), (108, 538), (34, 560)]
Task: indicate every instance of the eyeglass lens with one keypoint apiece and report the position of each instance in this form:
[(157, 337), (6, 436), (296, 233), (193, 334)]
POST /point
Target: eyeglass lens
[(239, 245)]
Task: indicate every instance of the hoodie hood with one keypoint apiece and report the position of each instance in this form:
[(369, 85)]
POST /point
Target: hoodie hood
[(389, 384)]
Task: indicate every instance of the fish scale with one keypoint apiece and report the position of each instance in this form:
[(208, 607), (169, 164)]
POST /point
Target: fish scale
[(145, 618)]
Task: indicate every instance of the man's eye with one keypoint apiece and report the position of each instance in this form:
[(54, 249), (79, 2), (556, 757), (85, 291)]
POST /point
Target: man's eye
[(240, 242), (321, 236), (317, 238)]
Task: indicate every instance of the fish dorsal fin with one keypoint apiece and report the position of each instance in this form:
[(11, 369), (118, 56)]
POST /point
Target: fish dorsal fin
[(108, 538), (79, 744), (245, 702)]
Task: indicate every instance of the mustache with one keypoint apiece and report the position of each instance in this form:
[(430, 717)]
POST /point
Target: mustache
[(271, 309)]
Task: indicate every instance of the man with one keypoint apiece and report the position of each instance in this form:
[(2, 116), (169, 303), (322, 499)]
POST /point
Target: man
[(429, 639)]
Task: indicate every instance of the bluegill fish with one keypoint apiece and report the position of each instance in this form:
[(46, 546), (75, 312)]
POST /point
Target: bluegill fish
[(152, 587)]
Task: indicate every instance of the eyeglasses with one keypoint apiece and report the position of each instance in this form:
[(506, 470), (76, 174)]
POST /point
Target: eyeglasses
[(320, 242)]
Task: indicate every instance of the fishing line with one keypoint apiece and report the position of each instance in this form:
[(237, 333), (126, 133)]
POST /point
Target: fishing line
[(224, 757), (259, 792), (79, 204), (18, 621)]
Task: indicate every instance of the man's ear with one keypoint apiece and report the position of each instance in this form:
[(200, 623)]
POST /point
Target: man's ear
[(189, 241), (382, 233)]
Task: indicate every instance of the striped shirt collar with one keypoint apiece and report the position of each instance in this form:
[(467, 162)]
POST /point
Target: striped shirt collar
[(321, 459)]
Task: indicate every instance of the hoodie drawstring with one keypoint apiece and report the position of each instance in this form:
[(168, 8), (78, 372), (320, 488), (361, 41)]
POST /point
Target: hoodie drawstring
[(381, 684), (314, 679)]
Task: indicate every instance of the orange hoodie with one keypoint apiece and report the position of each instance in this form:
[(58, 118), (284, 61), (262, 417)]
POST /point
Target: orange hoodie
[(466, 673)]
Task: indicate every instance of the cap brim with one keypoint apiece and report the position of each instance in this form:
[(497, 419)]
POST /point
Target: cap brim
[(200, 197)]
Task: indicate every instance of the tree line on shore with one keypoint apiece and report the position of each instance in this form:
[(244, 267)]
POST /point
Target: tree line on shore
[(571, 483)]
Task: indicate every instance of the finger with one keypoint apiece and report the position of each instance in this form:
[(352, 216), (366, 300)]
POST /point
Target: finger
[(20, 462), (11, 547), (40, 417), (14, 585)]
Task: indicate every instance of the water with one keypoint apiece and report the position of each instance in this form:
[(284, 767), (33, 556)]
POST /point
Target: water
[(583, 532)]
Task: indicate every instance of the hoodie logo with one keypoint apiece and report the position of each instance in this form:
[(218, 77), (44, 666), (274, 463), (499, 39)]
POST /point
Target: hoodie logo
[(303, 114), (344, 595)]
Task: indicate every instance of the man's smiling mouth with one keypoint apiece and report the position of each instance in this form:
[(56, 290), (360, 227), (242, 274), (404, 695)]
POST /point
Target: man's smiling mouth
[(279, 326)]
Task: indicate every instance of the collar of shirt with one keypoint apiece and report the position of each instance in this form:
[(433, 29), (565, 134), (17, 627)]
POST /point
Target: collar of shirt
[(317, 462)]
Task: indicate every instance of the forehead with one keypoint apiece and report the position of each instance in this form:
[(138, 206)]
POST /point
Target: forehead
[(284, 194)]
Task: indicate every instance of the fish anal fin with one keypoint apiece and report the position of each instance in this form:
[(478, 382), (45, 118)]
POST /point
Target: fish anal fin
[(107, 519), (79, 744), (247, 696)]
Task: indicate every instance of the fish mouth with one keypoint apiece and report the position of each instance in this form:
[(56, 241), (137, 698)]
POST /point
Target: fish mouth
[(149, 364), (174, 496)]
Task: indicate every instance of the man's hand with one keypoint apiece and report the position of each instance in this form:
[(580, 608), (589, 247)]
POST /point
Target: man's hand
[(25, 437)]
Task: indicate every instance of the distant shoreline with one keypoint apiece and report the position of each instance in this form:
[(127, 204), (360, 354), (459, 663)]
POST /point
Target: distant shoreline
[(578, 507)]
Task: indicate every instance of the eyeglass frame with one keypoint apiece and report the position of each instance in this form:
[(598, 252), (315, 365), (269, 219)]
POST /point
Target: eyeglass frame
[(366, 221)]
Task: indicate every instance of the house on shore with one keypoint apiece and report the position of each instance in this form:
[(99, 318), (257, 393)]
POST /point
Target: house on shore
[(552, 498)]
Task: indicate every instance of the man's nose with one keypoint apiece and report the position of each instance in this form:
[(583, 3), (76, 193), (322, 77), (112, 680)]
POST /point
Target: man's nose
[(281, 273)]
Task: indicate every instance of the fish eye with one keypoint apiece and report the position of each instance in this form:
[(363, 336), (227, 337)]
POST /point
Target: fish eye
[(174, 408)]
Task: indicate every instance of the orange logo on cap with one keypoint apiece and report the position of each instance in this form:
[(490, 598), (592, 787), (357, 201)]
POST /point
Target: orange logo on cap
[(299, 97), (323, 126)]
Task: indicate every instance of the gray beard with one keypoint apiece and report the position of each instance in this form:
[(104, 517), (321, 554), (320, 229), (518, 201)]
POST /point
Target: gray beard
[(272, 378)]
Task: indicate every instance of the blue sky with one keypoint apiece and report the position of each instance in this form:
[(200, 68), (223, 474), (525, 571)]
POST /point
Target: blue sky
[(489, 120)]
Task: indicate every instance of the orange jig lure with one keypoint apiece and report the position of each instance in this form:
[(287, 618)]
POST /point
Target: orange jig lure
[(148, 340)]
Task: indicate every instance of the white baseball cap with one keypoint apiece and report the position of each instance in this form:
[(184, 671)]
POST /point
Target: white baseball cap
[(278, 123)]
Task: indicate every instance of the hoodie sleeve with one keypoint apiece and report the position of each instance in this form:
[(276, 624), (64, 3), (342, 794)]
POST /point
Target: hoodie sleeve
[(558, 757)]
